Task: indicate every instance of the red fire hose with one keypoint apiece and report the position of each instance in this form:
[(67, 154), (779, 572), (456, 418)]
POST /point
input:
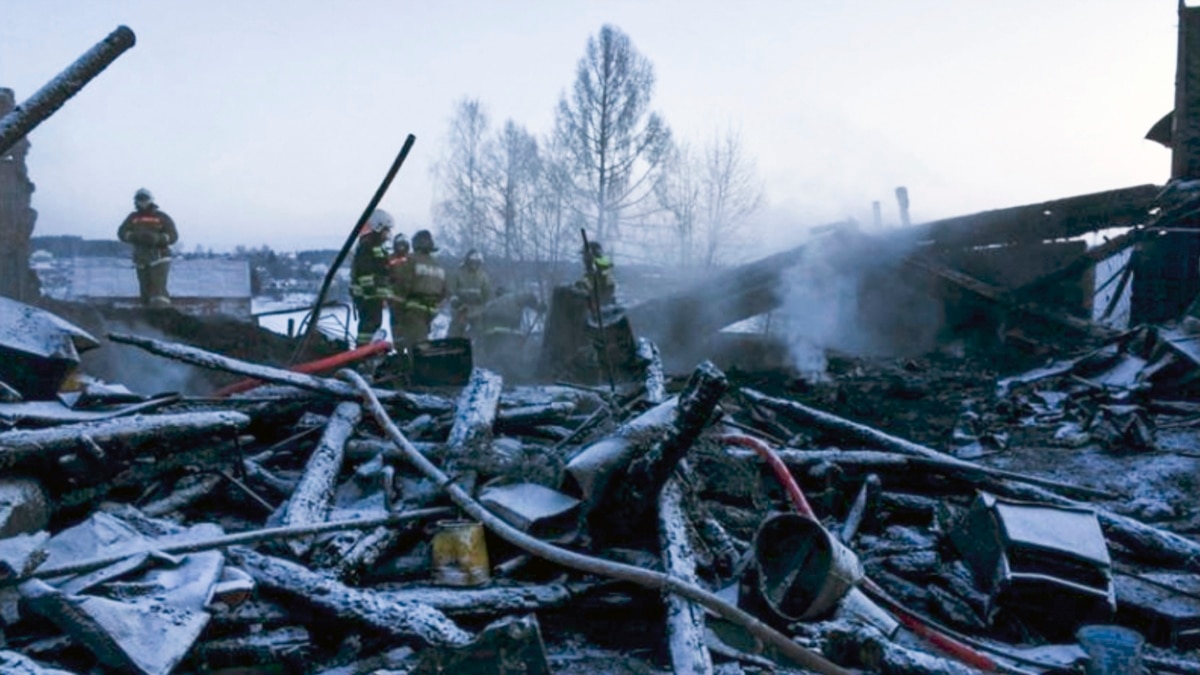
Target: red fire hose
[(327, 363), (935, 637), (777, 466)]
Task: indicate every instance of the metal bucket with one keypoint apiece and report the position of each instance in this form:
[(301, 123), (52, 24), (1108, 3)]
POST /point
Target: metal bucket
[(459, 554), (800, 572)]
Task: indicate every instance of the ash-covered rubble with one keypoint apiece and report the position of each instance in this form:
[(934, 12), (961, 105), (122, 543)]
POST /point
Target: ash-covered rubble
[(700, 524)]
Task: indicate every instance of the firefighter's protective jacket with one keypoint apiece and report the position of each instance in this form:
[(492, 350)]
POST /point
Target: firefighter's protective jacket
[(151, 233), (602, 276), (420, 283), (369, 268), (472, 287)]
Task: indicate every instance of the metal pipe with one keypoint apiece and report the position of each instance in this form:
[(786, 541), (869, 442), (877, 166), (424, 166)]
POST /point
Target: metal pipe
[(24, 118)]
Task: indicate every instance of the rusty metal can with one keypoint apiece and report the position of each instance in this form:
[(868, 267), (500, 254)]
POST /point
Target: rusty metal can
[(459, 554)]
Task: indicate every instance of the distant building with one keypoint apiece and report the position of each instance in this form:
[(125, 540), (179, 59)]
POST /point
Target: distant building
[(199, 286)]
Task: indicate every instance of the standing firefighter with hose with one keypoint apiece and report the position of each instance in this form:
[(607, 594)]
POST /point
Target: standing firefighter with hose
[(151, 233), (369, 283)]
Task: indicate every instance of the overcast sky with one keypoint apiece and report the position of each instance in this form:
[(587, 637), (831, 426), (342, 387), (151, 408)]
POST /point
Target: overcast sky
[(273, 121)]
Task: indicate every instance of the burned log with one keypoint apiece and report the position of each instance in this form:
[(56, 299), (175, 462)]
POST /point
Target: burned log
[(471, 435), (329, 387), (367, 550), (39, 107), (686, 627), (24, 506), (122, 436), (639, 463), (524, 417), (654, 380), (409, 622), (861, 433), (868, 649), (211, 457), (311, 501), (239, 539), (495, 600), (183, 496)]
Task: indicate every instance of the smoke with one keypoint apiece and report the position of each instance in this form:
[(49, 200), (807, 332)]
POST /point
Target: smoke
[(140, 371), (848, 295)]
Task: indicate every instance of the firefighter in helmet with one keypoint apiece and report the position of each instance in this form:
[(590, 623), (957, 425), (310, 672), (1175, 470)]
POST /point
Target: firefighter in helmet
[(369, 285), (598, 275), (469, 292), (151, 232), (420, 288), (400, 258)]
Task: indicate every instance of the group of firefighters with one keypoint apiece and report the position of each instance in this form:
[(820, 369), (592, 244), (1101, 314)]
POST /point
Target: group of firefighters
[(412, 284), (405, 278)]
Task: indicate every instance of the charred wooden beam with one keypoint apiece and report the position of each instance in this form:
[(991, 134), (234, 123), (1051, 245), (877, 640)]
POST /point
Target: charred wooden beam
[(123, 436), (654, 380), (239, 539), (686, 627), (1082, 262), (1007, 299), (494, 600), (1185, 131), (627, 508), (209, 457), (311, 501), (409, 622), (525, 417), (471, 434), (183, 496), (1055, 219), (39, 107), (330, 387)]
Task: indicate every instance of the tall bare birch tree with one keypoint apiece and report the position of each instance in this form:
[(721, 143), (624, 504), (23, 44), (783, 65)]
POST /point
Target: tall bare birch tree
[(615, 145), (464, 178)]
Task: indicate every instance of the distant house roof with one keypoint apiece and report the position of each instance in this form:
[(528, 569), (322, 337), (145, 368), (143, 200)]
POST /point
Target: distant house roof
[(192, 278)]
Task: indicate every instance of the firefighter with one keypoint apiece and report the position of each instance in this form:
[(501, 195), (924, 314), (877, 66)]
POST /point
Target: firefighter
[(369, 284), (396, 264), (470, 290), (420, 288), (151, 233), (598, 268)]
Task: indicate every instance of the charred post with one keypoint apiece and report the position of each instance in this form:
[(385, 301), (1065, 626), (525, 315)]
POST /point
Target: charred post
[(25, 118)]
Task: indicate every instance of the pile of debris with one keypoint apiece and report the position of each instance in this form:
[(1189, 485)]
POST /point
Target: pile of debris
[(323, 524)]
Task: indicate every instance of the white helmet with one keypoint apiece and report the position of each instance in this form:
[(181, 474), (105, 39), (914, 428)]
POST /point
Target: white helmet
[(379, 221)]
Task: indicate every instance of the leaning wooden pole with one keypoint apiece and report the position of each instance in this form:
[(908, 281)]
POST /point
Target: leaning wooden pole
[(38, 108)]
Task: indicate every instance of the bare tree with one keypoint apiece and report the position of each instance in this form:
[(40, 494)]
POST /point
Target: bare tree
[(615, 145), (463, 177), (556, 223), (679, 194), (518, 172), (732, 193)]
